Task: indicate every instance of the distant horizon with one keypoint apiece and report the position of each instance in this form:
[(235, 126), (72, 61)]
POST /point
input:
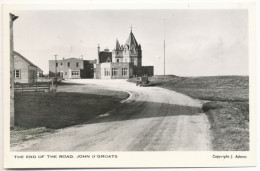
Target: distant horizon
[(198, 42), (205, 75)]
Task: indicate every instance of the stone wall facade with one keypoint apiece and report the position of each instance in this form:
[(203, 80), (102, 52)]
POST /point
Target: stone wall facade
[(126, 61)]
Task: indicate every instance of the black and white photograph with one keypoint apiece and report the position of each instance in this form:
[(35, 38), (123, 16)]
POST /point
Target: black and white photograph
[(129, 80)]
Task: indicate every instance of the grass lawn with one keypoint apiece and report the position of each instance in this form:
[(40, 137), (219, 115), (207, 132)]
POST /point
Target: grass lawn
[(72, 104), (41, 113), (227, 105)]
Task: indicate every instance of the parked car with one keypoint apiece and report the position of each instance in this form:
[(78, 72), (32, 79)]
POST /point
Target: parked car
[(142, 81)]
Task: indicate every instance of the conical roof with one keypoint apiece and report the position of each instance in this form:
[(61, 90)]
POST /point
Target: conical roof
[(117, 45), (131, 41)]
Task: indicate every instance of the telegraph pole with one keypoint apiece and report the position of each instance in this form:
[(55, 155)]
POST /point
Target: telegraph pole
[(164, 46), (12, 117), (55, 68)]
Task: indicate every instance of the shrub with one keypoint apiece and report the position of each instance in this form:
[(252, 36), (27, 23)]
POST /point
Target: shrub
[(213, 105)]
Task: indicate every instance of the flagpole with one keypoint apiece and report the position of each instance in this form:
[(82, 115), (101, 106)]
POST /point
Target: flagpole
[(55, 68), (164, 46)]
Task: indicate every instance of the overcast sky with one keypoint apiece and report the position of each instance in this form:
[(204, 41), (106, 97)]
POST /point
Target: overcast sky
[(198, 42)]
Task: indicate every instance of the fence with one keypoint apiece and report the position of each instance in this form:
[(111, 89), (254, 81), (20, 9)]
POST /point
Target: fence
[(36, 87)]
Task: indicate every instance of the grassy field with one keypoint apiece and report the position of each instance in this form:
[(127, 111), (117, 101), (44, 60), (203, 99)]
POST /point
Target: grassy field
[(38, 114), (226, 105), (72, 104)]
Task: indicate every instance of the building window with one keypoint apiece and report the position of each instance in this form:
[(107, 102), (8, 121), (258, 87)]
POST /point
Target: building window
[(124, 71), (75, 73), (68, 64), (77, 64), (117, 60), (17, 73), (56, 64), (61, 63), (114, 71), (106, 71), (65, 73), (135, 62)]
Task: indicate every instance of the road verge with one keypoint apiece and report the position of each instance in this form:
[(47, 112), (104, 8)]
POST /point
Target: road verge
[(226, 103)]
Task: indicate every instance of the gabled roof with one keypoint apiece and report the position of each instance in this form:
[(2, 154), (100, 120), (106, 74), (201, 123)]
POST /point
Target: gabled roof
[(39, 69), (104, 56), (22, 57), (131, 41), (26, 60)]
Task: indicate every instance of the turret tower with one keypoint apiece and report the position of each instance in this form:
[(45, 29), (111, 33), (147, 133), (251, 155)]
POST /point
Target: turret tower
[(131, 52)]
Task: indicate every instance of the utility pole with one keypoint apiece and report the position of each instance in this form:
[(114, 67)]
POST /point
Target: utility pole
[(55, 68), (12, 117), (164, 46)]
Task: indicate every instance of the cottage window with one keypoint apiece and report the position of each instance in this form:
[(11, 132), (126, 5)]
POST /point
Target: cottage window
[(68, 64), (61, 63), (117, 60), (106, 71), (77, 64), (17, 73), (114, 71), (75, 73), (56, 64), (124, 71)]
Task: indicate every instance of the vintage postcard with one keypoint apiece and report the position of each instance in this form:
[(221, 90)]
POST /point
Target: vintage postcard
[(116, 85)]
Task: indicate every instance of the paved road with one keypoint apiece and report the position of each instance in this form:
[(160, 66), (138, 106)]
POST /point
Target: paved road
[(152, 119)]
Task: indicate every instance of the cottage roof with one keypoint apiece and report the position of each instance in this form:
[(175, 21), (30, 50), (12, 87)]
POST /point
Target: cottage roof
[(26, 60), (39, 69)]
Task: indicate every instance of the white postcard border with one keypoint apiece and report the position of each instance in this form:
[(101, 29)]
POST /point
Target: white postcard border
[(130, 159)]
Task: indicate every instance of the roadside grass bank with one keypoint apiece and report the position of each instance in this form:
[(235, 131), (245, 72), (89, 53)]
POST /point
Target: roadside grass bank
[(70, 105), (40, 113), (19, 134), (226, 103)]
